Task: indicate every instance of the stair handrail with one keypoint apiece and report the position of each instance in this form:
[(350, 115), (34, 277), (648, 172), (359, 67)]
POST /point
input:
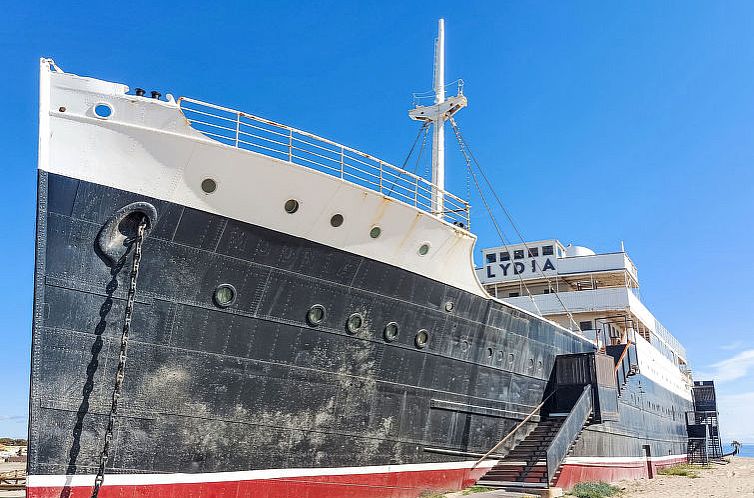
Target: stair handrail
[(622, 355), (572, 426), (518, 426)]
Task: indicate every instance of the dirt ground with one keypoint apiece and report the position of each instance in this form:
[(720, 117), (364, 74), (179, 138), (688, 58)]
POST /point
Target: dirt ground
[(721, 481), (9, 467)]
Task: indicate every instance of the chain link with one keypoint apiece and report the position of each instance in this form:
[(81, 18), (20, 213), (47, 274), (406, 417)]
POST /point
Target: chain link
[(120, 373)]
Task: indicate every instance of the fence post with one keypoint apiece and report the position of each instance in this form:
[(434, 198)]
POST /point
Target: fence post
[(342, 162), (238, 127)]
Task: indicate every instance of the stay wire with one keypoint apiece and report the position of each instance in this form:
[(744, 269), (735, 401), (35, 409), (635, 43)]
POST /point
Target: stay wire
[(464, 147)]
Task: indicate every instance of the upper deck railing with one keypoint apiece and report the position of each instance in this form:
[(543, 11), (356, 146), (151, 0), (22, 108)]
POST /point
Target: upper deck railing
[(246, 131)]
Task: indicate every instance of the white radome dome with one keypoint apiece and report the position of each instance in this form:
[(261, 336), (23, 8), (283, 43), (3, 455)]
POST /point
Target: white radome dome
[(572, 251)]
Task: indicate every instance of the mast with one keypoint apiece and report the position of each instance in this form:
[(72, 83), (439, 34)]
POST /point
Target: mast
[(438, 124), (436, 114)]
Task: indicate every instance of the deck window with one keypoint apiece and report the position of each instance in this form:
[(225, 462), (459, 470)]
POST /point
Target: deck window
[(533, 252), (491, 257), (546, 250), (505, 256), (518, 254), (513, 294), (587, 325)]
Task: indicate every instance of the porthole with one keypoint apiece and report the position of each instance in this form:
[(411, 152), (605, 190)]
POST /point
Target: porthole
[(449, 306), (539, 365), (225, 295), (375, 232), (490, 352), (511, 358), (61, 109), (464, 345), (423, 249), (209, 185), (354, 323), (316, 315), (103, 110), (291, 206), (499, 356), (421, 339), (391, 331), (336, 220), (531, 363)]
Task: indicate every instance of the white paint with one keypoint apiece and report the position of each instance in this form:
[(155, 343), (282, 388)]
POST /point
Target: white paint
[(619, 460), (438, 127), (148, 147), (659, 369), (37, 481)]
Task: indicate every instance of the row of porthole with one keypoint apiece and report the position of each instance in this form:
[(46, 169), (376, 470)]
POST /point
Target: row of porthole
[(512, 358), (291, 206), (225, 295), (317, 314)]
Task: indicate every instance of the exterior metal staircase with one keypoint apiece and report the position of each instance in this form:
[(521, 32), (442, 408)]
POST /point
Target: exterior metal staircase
[(583, 390), (702, 425), (535, 462), (626, 363)]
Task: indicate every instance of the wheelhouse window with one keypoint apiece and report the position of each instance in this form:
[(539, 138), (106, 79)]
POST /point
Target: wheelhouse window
[(587, 325), (491, 257), (547, 251), (513, 294), (518, 254), (533, 252), (505, 256)]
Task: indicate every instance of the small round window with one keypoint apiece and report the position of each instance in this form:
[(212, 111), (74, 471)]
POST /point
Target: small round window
[(423, 249), (490, 352), (354, 323), (103, 111), (464, 345), (421, 339), (316, 315), (531, 362), (391, 331), (291, 206), (449, 306), (225, 295), (375, 232), (511, 357), (209, 185), (336, 220)]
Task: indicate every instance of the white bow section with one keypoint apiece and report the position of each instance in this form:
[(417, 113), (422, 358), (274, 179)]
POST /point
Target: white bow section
[(148, 147)]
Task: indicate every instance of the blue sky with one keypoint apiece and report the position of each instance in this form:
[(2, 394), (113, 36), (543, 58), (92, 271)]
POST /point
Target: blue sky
[(597, 121)]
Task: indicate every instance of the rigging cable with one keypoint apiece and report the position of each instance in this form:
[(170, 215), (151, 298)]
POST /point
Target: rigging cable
[(491, 215), (423, 129), (466, 151)]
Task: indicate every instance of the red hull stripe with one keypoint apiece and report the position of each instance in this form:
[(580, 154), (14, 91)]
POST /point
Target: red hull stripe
[(579, 469), (401, 481)]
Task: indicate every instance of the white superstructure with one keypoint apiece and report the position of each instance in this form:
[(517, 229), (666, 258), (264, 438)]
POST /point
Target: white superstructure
[(596, 293)]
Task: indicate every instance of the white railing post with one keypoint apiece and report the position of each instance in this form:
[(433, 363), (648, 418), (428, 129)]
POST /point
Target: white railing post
[(342, 162), (290, 146), (380, 163), (238, 127), (416, 192)]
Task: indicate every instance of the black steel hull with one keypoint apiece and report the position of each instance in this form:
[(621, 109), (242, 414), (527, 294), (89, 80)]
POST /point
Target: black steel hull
[(254, 386)]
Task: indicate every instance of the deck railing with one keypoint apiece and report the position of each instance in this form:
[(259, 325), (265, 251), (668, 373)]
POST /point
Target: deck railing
[(246, 131)]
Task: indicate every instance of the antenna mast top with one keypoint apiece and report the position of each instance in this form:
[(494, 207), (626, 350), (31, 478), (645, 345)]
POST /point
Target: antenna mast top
[(442, 110)]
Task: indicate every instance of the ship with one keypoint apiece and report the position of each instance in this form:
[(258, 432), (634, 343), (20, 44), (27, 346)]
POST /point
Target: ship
[(225, 305)]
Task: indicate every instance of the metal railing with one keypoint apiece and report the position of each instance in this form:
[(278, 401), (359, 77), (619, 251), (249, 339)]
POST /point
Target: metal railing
[(572, 426), (513, 431), (249, 132)]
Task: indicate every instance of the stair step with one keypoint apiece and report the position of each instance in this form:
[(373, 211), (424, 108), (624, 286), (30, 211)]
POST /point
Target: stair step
[(513, 484)]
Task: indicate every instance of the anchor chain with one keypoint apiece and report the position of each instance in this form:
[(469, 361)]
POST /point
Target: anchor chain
[(99, 479)]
